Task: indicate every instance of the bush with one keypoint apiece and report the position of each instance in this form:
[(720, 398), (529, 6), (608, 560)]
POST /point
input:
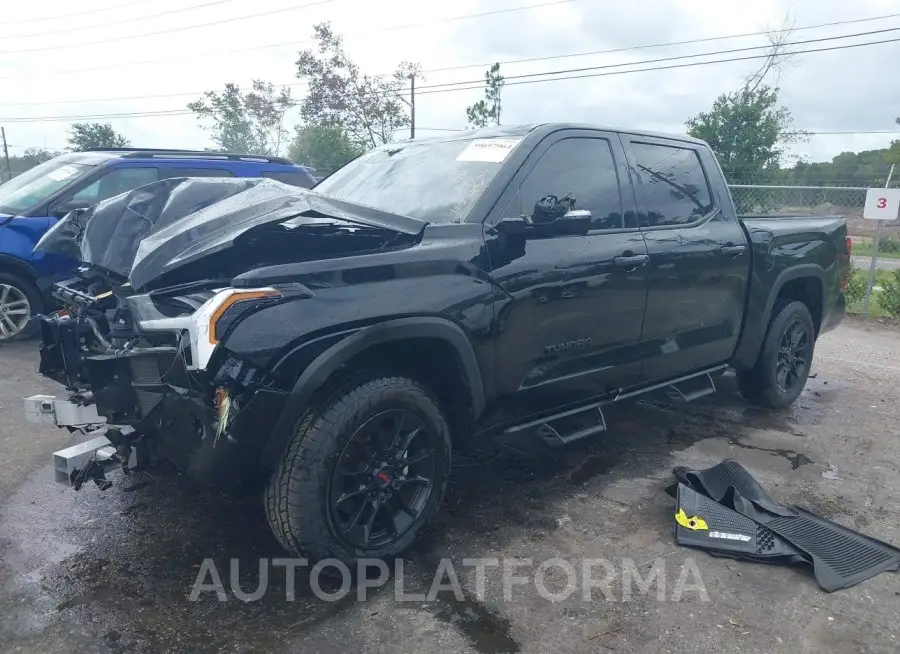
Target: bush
[(889, 298), (856, 285)]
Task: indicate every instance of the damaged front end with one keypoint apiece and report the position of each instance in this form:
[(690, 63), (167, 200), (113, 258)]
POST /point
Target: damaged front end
[(138, 342), (155, 393)]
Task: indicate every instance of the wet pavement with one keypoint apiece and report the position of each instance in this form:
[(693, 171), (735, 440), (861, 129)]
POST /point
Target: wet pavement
[(113, 571)]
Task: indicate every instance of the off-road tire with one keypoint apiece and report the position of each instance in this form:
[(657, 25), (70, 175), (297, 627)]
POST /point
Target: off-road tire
[(758, 385), (296, 497), (31, 292)]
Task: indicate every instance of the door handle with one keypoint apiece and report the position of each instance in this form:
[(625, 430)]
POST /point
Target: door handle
[(632, 262), (733, 250)]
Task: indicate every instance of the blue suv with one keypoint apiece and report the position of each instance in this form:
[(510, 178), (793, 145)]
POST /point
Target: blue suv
[(32, 202)]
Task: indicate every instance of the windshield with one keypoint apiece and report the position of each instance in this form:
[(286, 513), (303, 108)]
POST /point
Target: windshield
[(438, 182), (24, 192)]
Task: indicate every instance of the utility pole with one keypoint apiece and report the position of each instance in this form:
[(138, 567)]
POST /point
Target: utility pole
[(6, 154), (412, 106)]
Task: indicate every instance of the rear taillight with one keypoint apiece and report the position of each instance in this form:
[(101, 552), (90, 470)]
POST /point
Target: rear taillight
[(849, 244)]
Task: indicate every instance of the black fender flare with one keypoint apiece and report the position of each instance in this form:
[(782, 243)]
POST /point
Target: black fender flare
[(752, 336), (326, 364), (795, 272)]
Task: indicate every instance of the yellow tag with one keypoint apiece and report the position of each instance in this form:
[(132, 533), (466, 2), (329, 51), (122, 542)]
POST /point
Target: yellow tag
[(696, 523), (103, 295)]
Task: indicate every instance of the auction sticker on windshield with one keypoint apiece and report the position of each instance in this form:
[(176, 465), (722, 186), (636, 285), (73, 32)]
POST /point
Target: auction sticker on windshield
[(489, 150), (61, 173)]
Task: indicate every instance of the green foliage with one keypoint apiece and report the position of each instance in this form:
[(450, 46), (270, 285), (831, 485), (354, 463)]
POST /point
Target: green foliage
[(324, 147), (246, 123), (85, 136), (487, 111), (748, 131), (866, 168), (856, 285), (368, 108), (889, 297)]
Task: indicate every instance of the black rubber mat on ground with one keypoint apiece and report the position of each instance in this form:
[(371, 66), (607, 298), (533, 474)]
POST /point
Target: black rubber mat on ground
[(728, 533), (840, 556)]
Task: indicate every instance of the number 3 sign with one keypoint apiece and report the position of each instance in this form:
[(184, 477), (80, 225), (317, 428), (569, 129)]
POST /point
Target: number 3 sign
[(882, 203)]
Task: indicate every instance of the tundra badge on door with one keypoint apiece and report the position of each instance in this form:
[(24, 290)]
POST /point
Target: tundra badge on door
[(559, 348)]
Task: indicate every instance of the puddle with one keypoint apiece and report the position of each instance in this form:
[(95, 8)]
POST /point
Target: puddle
[(486, 631), (796, 459)]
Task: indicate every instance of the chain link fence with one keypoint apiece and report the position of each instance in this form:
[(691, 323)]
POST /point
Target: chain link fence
[(774, 200), (846, 201)]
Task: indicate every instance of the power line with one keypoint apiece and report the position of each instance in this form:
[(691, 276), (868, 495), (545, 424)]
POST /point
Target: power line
[(198, 55), (114, 22), (873, 131), (513, 77), (519, 79), (77, 13), (657, 68), (675, 58), (665, 45), (129, 114), (183, 28)]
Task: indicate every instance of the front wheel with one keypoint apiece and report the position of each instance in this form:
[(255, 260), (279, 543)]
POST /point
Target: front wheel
[(364, 473), (785, 359)]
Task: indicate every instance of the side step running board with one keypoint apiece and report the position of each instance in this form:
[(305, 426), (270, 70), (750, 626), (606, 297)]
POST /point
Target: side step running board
[(693, 388), (573, 424), (566, 427)]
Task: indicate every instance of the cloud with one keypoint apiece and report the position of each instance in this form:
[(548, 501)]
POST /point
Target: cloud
[(844, 90)]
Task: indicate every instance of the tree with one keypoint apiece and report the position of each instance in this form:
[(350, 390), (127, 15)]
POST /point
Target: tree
[(368, 108), (85, 136), (246, 123), (324, 147), (488, 110), (34, 156), (748, 130)]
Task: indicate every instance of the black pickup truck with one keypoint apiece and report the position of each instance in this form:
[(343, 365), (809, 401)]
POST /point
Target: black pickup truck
[(333, 345)]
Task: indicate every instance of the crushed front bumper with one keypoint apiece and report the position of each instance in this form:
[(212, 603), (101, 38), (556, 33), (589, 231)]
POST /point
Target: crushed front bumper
[(146, 406)]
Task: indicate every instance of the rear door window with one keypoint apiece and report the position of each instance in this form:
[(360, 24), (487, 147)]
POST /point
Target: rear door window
[(116, 181), (199, 172), (673, 185)]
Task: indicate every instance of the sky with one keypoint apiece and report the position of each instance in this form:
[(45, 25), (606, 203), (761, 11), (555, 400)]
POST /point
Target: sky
[(148, 56)]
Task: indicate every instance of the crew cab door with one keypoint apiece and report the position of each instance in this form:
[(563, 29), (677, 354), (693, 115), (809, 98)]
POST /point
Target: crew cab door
[(699, 257), (568, 323)]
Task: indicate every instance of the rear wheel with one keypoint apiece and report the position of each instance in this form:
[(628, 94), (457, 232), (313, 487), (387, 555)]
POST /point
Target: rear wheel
[(19, 300), (364, 473), (785, 359)]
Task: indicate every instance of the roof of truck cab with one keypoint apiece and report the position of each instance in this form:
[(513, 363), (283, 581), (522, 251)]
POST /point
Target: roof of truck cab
[(539, 130)]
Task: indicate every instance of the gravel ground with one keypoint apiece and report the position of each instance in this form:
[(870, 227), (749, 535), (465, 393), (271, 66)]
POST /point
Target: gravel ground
[(113, 571)]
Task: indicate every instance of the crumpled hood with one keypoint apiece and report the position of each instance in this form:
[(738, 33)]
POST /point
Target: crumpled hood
[(156, 228)]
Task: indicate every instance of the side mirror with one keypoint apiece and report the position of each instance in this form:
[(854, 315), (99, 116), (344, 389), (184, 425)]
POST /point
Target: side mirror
[(71, 205), (574, 222)]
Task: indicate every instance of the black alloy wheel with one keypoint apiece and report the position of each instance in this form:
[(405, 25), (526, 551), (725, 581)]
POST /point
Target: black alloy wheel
[(794, 357), (383, 479)]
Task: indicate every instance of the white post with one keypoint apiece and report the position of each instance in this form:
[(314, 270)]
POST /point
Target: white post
[(873, 266)]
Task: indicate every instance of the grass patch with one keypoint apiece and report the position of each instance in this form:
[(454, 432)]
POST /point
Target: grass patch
[(865, 250), (882, 277)]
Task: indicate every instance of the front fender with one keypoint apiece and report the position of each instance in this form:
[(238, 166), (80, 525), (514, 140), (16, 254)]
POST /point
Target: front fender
[(317, 373)]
